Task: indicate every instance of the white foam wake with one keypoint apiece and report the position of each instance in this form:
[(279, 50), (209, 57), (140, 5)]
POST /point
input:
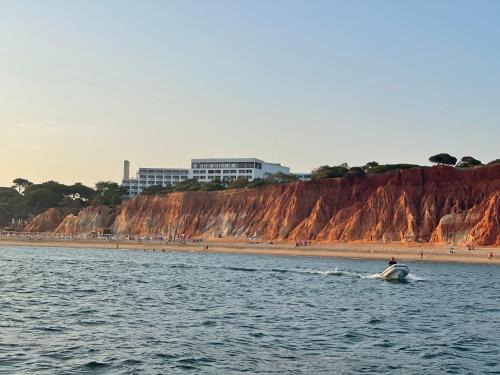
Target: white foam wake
[(412, 277), (337, 271)]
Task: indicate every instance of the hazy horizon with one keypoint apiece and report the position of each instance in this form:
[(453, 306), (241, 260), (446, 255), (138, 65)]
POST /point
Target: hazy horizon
[(85, 85)]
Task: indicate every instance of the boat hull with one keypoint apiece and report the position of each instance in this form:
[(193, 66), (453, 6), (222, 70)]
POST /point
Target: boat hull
[(395, 272)]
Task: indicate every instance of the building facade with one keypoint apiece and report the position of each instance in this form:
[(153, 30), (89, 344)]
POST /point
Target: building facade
[(205, 170), (153, 176)]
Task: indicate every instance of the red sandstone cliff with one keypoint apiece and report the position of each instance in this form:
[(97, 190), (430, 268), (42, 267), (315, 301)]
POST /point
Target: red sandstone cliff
[(59, 220), (90, 219), (47, 221), (437, 204)]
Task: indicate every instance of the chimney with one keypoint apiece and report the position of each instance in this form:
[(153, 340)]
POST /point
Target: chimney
[(126, 169)]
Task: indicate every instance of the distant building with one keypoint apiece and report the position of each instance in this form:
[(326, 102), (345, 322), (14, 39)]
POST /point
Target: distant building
[(153, 176), (205, 170), (302, 176)]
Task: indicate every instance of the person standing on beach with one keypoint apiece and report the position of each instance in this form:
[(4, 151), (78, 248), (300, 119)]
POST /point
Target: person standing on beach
[(421, 254)]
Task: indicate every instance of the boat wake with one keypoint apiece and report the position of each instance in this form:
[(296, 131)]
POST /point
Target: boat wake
[(334, 272), (373, 276), (337, 271), (412, 277), (331, 272)]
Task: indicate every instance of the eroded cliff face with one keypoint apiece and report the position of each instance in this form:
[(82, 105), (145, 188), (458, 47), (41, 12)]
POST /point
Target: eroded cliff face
[(47, 221), (88, 220), (438, 204)]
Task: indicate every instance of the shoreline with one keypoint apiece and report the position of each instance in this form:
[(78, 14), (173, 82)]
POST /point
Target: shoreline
[(347, 250)]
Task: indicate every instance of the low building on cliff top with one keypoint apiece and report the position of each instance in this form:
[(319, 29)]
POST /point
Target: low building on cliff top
[(203, 170), (150, 177)]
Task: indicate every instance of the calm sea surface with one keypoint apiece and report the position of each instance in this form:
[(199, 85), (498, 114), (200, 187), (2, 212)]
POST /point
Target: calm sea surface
[(72, 311)]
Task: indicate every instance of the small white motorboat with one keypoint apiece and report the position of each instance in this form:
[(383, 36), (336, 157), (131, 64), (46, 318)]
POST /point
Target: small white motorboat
[(395, 272)]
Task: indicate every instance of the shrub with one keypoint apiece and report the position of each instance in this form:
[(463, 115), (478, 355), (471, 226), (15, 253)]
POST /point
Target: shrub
[(157, 190), (355, 172), (468, 161), (239, 183), (390, 168), (326, 171)]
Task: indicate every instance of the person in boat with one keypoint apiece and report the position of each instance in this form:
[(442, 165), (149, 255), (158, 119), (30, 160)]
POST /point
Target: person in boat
[(392, 262)]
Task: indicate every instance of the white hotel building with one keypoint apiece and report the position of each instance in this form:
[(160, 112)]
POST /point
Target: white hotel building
[(150, 177), (203, 170)]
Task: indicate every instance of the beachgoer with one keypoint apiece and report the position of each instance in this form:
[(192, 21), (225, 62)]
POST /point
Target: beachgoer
[(490, 255), (421, 254), (392, 262)]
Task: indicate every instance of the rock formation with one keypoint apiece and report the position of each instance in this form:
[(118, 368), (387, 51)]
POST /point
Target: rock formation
[(90, 219), (47, 221), (437, 204)]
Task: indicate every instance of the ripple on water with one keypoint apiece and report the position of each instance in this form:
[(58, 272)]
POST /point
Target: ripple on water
[(95, 365)]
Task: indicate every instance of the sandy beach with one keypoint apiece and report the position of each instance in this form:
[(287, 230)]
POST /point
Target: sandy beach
[(353, 250)]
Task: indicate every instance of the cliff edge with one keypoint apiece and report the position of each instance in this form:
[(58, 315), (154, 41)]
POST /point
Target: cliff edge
[(435, 204)]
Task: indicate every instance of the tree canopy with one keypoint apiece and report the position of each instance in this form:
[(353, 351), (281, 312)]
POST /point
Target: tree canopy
[(108, 193), (7, 194), (443, 158), (27, 198), (21, 183), (80, 191), (468, 161)]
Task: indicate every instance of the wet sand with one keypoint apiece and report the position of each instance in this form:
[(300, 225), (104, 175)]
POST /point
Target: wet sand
[(362, 250)]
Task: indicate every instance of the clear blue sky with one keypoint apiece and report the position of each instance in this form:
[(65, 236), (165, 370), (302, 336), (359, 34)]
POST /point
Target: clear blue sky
[(86, 84)]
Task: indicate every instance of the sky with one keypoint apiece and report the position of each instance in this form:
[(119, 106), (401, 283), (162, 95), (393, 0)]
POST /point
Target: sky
[(87, 84)]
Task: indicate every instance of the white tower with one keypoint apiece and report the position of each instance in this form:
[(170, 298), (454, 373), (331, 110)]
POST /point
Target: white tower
[(126, 169)]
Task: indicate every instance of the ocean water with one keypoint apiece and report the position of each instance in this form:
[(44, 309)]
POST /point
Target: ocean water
[(77, 311)]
